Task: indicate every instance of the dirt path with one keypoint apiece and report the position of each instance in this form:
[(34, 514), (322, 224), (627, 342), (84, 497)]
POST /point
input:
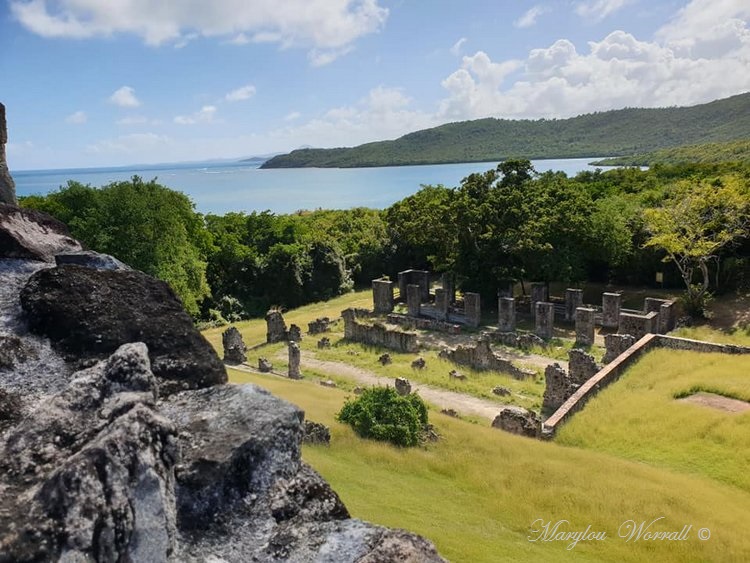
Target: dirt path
[(463, 404), (717, 402)]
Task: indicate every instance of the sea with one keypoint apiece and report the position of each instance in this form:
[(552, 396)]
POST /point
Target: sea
[(221, 187)]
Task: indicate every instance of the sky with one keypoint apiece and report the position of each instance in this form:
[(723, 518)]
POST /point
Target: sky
[(91, 83)]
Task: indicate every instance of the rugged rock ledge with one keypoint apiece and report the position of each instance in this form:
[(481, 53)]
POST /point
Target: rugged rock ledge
[(146, 454)]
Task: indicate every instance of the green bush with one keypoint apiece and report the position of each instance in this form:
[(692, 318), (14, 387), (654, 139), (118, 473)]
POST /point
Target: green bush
[(382, 414)]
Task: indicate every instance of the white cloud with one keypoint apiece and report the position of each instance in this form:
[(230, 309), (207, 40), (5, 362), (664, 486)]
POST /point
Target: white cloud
[(77, 118), (597, 10), (291, 116), (136, 143), (204, 115), (456, 49), (322, 57), (242, 93), (529, 17), (329, 26), (618, 71), (125, 98)]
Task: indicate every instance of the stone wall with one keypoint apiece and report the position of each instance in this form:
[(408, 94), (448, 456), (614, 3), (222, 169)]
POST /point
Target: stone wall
[(481, 357), (7, 186), (638, 325), (557, 388), (377, 334), (581, 366), (616, 344), (424, 323), (382, 296)]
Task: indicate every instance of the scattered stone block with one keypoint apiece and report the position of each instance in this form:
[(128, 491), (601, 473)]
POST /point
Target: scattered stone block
[(328, 383), (518, 420), (324, 342), (403, 386), (419, 363), (358, 390), (449, 412), (501, 391), (453, 374), (316, 433), (264, 366), (319, 325), (385, 359), (234, 348)]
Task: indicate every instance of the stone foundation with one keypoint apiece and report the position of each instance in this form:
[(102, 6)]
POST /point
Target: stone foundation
[(377, 334), (482, 357)]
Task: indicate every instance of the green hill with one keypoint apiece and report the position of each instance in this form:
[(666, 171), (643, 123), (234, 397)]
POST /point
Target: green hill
[(732, 151), (622, 132)]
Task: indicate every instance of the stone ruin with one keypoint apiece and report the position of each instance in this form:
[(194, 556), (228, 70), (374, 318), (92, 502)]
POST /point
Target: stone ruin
[(560, 385), (319, 325), (385, 359), (573, 300), (616, 344), (481, 357), (585, 326), (420, 278), (538, 293), (611, 303), (264, 366), (234, 347), (376, 334), (403, 386), (316, 433), (544, 319), (518, 420), (294, 334), (419, 363), (294, 358), (638, 325), (7, 186), (382, 296), (506, 314), (323, 343), (275, 327)]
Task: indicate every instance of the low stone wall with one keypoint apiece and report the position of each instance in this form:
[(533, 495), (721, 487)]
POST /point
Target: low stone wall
[(482, 357), (423, 323), (612, 372), (377, 334)]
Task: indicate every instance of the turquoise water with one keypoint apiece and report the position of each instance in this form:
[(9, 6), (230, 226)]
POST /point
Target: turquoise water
[(236, 186)]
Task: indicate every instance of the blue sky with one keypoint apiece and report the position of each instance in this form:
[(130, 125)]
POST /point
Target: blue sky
[(117, 82)]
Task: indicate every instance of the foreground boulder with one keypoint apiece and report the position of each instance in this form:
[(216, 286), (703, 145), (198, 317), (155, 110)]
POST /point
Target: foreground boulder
[(88, 314), (33, 235)]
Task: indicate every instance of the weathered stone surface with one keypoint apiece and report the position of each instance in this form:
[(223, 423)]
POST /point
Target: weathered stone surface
[(275, 327), (264, 366), (416, 277), (413, 299), (506, 314), (294, 358), (7, 186), (581, 366), (638, 325), (235, 351), (319, 325), (424, 323), (611, 303), (616, 344), (473, 309), (10, 409), (295, 333), (419, 363), (573, 300), (377, 334), (557, 387), (667, 317), (316, 433), (33, 235), (441, 303), (324, 342), (518, 420), (91, 259), (385, 359), (538, 293), (88, 314), (403, 386), (481, 356), (544, 319), (585, 326), (13, 351), (382, 296), (447, 280), (501, 391)]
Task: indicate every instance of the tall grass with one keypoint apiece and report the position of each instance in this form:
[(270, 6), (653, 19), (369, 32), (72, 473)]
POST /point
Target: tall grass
[(638, 417), (476, 492)]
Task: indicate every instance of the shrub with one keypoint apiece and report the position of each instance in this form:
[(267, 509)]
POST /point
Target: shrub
[(381, 413)]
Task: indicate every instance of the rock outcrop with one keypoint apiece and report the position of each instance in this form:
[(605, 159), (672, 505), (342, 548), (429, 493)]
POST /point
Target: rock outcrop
[(32, 235), (7, 186), (88, 314), (146, 454)]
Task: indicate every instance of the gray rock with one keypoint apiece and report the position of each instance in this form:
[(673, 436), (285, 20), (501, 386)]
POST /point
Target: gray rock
[(419, 363), (385, 359), (91, 259), (33, 235), (518, 420), (264, 366), (294, 359), (7, 186), (403, 386), (316, 433), (295, 333), (234, 347), (501, 391), (324, 342), (275, 327)]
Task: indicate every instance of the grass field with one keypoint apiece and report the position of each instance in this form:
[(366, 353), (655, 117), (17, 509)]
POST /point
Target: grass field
[(477, 491)]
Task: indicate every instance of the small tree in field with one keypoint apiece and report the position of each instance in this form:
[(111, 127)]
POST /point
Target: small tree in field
[(694, 224)]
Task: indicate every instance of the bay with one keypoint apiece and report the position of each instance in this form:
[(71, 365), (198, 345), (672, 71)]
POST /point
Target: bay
[(220, 187)]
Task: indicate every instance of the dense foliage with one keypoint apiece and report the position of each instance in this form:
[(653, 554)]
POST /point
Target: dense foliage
[(382, 414), (620, 132), (508, 224), (732, 151)]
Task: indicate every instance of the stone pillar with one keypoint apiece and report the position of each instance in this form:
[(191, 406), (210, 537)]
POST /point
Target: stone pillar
[(585, 326), (545, 319), (538, 293), (505, 289), (350, 320), (7, 186), (441, 304), (573, 300), (423, 280), (638, 325), (234, 347), (472, 309), (666, 317), (295, 333), (611, 303), (275, 327), (294, 357), (403, 281), (413, 299), (382, 296), (506, 314), (449, 286)]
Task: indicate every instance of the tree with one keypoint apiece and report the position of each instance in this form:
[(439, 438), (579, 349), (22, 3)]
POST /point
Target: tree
[(695, 223)]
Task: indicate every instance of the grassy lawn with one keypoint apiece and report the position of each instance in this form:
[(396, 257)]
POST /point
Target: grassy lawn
[(476, 492), (638, 418), (737, 336)]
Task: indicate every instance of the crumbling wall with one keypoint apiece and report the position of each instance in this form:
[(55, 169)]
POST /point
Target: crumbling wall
[(638, 325), (481, 356), (377, 334), (616, 344)]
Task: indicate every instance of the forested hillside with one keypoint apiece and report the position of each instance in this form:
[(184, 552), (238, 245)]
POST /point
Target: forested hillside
[(621, 132), (732, 151)]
